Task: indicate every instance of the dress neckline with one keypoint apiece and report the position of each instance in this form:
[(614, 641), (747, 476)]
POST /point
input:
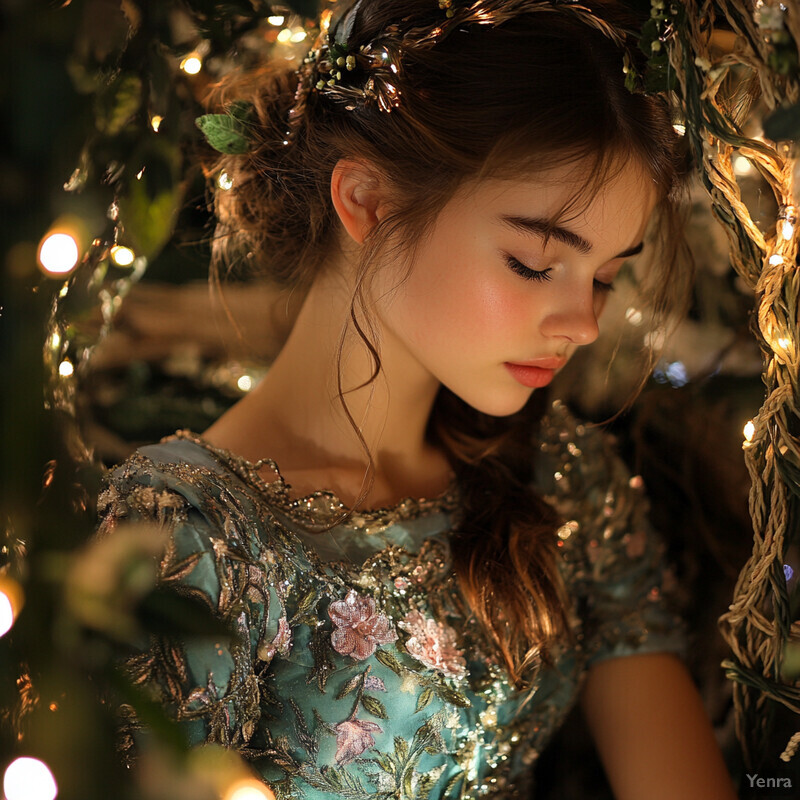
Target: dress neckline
[(323, 508)]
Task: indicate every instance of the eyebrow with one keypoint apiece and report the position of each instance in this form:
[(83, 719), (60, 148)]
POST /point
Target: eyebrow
[(541, 227)]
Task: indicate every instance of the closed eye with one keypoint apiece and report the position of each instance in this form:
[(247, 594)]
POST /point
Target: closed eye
[(516, 266), (526, 272)]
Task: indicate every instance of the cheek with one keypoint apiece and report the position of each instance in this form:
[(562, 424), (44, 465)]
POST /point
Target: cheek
[(459, 309)]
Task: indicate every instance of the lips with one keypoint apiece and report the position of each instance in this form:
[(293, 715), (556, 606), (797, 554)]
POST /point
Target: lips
[(537, 373)]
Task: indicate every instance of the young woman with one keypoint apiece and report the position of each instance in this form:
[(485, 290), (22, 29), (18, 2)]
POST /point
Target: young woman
[(425, 564)]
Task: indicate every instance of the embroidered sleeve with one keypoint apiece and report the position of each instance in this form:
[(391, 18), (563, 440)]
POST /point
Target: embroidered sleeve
[(631, 589), (211, 684), (626, 590)]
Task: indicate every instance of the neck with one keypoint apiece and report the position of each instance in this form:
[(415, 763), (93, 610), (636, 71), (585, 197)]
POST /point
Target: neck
[(299, 394)]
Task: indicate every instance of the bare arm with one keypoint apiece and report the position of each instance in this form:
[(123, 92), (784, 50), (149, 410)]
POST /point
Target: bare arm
[(652, 733)]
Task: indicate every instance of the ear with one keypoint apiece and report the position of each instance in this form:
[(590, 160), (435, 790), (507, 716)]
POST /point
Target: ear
[(359, 197)]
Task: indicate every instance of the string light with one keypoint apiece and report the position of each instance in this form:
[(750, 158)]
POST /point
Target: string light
[(192, 64), (155, 122), (6, 613), (122, 256), (58, 253), (285, 35), (679, 129), (787, 229), (249, 789), (225, 182), (65, 368), (29, 779), (245, 383), (12, 598), (749, 431), (784, 343), (298, 35), (775, 260), (276, 20), (742, 165), (634, 316)]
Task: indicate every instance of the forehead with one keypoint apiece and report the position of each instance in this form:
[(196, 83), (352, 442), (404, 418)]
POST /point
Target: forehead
[(608, 209)]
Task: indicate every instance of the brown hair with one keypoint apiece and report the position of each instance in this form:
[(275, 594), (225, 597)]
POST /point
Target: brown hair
[(499, 100)]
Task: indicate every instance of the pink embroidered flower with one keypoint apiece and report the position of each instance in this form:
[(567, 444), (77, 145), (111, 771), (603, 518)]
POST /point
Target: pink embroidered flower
[(353, 737), (359, 630), (433, 644)]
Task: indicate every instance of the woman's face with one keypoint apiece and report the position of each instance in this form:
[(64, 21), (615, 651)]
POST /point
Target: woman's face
[(489, 310)]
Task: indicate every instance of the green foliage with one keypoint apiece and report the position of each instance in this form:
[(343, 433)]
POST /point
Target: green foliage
[(228, 133)]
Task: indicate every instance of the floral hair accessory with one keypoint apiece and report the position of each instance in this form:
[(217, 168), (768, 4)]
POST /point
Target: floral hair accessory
[(340, 70)]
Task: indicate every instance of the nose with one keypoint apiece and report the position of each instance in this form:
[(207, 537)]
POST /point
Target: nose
[(574, 320)]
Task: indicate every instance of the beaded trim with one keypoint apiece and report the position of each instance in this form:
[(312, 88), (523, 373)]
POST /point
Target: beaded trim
[(323, 507)]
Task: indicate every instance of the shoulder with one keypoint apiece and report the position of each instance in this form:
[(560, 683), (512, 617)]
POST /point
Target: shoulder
[(208, 504)]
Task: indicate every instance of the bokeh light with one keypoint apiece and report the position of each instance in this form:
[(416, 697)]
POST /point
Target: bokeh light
[(192, 64), (249, 789), (275, 20), (155, 122), (285, 35), (6, 613), (225, 181), (29, 779), (65, 368), (749, 431), (58, 253), (122, 256), (245, 383)]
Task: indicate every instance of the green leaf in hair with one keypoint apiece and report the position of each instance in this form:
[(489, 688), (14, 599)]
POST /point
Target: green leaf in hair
[(228, 133)]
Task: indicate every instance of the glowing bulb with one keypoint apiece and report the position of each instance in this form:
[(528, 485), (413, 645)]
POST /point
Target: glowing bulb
[(741, 166), (285, 35), (29, 779), (749, 431), (155, 122), (298, 35), (775, 260), (58, 253), (140, 173), (245, 383), (122, 256), (249, 789), (634, 316), (65, 368), (225, 181), (6, 613), (787, 229), (276, 20), (679, 129), (192, 64), (784, 343)]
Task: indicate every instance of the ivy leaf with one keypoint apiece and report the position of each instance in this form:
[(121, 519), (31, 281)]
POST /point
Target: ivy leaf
[(116, 105), (228, 133)]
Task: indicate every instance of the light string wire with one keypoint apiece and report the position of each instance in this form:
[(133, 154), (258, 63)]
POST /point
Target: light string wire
[(758, 624)]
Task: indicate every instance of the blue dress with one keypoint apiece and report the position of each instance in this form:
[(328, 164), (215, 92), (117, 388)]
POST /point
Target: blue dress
[(352, 673)]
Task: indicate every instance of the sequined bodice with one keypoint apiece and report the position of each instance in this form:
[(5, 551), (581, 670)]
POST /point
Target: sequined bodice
[(354, 672)]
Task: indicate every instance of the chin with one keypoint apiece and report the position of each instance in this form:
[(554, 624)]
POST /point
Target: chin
[(499, 404)]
